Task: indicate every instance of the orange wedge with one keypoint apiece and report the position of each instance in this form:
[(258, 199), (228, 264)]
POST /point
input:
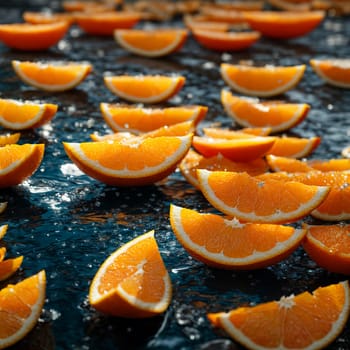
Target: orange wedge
[(219, 14), (21, 305), (329, 247), (225, 41), (151, 42), (19, 115), (284, 24), (264, 200), (29, 37), (335, 72), (130, 162), (3, 206), (47, 17), (238, 150), (193, 22), (9, 266), (261, 81), (222, 133), (288, 5), (105, 23), (3, 230), (145, 88), (8, 139), (302, 321), (194, 161), (278, 116), (19, 162), (2, 253), (228, 244), (52, 76), (133, 281), (140, 119)]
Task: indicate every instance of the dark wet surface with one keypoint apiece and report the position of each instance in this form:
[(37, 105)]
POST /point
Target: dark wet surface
[(67, 223)]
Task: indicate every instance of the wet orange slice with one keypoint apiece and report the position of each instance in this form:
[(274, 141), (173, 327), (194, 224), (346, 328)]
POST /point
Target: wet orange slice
[(261, 199), (26, 36), (47, 17), (278, 116), (234, 245), (9, 266), (52, 76), (151, 42), (130, 162), (19, 115), (193, 22), (8, 139), (261, 81), (145, 88), (334, 71)]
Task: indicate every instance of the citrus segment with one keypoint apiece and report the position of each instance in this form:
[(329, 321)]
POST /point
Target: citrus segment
[(8, 139), (334, 71), (134, 161), (52, 76), (47, 17), (20, 307), (234, 245), (261, 81), (193, 22), (18, 162), (19, 115), (329, 247), (254, 199), (151, 43), (8, 267), (133, 281), (302, 321), (3, 230), (26, 36), (2, 253), (145, 88), (276, 115)]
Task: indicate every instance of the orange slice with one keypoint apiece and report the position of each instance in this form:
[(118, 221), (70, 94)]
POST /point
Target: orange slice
[(133, 281), (145, 88), (47, 17), (261, 81), (329, 247), (254, 199), (265, 131), (234, 245), (2, 253), (288, 5), (335, 72), (151, 42), (278, 116), (225, 41), (8, 139), (9, 266), (222, 133), (227, 15), (194, 161), (193, 22), (52, 76), (284, 24), (3, 206), (28, 37), (238, 150), (3, 230), (105, 23), (21, 305), (19, 162), (130, 162), (19, 115), (140, 119), (302, 321)]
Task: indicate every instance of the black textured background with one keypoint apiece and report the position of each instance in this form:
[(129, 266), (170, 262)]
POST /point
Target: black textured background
[(68, 223)]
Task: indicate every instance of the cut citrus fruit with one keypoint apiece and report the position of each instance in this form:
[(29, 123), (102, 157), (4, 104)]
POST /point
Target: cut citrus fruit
[(26, 36), (18, 162), (288, 5), (329, 247), (336, 205), (225, 41), (193, 22), (227, 15), (8, 267), (222, 133), (19, 115), (47, 17), (276, 115), (261, 81), (105, 23), (133, 281), (8, 139), (334, 71), (2, 253), (254, 199), (52, 76), (194, 161), (234, 245), (294, 147), (140, 119), (3, 206), (21, 305), (3, 230), (265, 131), (284, 24), (238, 150), (303, 321), (145, 88), (130, 162), (151, 42)]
